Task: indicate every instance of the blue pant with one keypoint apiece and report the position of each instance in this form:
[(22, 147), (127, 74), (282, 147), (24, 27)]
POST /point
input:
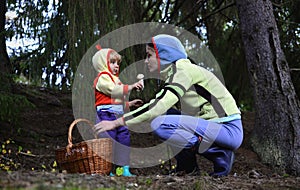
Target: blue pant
[(182, 131), (120, 137), (216, 143)]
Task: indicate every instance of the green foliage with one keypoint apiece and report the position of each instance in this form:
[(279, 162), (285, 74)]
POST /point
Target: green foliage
[(7, 163), (5, 82), (66, 29), (167, 167), (9, 160), (11, 105), (288, 23), (246, 105), (200, 184)]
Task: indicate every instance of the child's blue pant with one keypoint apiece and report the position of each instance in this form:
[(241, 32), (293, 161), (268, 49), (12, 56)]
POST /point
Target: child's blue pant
[(120, 136)]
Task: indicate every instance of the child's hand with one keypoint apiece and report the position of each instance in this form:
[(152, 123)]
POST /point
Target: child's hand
[(136, 103), (140, 77), (138, 85)]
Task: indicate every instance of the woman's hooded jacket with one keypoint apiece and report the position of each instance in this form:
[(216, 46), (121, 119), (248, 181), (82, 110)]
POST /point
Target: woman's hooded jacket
[(190, 88)]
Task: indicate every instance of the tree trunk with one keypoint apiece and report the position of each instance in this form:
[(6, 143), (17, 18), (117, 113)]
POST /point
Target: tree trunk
[(4, 59), (276, 136)]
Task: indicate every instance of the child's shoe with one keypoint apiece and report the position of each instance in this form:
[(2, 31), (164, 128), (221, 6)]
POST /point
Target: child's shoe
[(113, 169), (111, 174), (126, 172)]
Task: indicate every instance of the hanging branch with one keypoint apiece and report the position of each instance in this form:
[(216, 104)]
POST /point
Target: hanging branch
[(149, 7), (176, 10), (157, 4), (166, 10), (219, 10), (213, 13), (191, 12)]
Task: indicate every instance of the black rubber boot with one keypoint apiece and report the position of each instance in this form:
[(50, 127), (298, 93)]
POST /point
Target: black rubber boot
[(187, 163), (222, 159)]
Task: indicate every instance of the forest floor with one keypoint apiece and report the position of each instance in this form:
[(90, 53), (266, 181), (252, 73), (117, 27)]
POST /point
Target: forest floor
[(30, 147)]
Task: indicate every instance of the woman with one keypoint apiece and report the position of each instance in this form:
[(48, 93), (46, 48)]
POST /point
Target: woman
[(207, 120)]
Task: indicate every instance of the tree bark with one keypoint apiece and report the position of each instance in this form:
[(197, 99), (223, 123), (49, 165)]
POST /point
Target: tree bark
[(4, 59), (276, 137)]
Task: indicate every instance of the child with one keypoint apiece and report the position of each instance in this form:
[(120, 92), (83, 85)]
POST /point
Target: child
[(110, 105)]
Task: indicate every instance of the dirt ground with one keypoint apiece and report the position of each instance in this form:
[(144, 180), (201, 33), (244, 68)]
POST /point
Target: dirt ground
[(30, 156)]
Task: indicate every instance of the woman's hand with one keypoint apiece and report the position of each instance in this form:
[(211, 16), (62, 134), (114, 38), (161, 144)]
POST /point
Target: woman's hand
[(108, 125)]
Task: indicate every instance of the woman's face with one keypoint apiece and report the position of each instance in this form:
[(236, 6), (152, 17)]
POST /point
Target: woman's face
[(151, 60)]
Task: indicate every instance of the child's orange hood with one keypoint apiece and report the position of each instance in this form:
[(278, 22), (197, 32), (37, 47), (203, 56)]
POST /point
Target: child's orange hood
[(101, 60)]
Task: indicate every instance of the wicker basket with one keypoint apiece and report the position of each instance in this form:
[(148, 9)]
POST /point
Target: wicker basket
[(90, 157)]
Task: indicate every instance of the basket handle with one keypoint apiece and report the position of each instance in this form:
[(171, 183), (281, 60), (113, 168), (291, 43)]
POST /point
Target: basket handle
[(70, 144)]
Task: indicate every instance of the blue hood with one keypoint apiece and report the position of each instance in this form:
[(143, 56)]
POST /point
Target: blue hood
[(168, 49)]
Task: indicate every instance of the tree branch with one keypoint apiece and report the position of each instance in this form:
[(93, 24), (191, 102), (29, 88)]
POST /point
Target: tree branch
[(149, 7), (191, 12), (213, 13), (176, 8), (219, 10)]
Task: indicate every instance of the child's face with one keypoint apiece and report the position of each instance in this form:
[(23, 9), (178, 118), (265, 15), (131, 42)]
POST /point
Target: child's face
[(114, 65), (151, 60)]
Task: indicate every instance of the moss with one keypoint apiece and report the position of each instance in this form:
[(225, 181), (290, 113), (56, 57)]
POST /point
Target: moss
[(11, 105)]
